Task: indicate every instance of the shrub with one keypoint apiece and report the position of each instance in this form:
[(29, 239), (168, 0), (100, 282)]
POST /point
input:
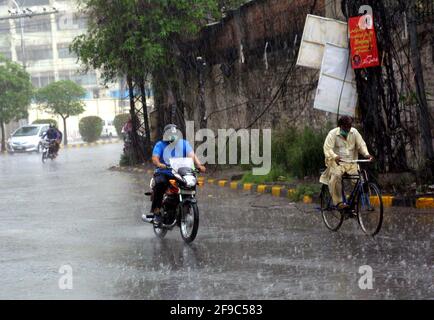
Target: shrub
[(294, 152), (302, 190), (276, 174), (119, 122), (90, 128), (46, 121)]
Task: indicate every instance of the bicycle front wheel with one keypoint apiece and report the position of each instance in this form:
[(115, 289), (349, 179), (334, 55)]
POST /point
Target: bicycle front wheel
[(333, 219), (370, 209)]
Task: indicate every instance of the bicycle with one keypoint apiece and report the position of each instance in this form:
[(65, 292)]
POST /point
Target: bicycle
[(364, 203)]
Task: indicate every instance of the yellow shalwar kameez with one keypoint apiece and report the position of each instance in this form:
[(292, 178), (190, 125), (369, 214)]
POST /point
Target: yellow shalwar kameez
[(348, 149)]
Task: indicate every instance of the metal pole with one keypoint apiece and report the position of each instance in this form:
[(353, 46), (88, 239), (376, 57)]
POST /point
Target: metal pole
[(22, 35)]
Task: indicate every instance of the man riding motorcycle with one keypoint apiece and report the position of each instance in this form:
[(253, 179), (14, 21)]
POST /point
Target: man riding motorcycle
[(172, 146), (55, 135)]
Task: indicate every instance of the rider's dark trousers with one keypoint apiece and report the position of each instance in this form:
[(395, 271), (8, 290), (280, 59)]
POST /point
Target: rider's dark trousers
[(161, 185)]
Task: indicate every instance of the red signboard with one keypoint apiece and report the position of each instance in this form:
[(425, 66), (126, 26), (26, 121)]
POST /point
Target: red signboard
[(363, 42)]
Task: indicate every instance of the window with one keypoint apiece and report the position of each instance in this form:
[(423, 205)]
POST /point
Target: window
[(84, 79), (6, 52), (42, 79), (33, 2), (38, 24), (4, 27), (71, 22), (35, 53), (63, 50), (65, 75), (26, 132)]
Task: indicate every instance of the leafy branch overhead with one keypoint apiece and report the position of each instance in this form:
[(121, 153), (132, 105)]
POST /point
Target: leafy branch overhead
[(135, 37)]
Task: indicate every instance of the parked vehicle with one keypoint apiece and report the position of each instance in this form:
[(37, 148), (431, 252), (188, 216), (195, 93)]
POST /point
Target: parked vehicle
[(179, 202), (108, 129), (48, 149), (27, 138)]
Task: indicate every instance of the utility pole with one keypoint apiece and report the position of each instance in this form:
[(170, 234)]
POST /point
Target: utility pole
[(422, 110), (21, 14), (201, 65)]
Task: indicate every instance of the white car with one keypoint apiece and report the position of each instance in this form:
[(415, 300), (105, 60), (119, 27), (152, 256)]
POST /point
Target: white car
[(27, 138), (108, 129)]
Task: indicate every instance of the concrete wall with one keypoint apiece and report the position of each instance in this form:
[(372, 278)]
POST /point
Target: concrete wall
[(248, 56)]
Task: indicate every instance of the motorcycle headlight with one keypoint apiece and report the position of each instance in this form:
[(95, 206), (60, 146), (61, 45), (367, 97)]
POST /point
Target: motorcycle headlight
[(190, 181)]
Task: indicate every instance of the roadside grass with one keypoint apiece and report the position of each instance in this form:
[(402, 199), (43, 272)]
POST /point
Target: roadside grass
[(277, 174)]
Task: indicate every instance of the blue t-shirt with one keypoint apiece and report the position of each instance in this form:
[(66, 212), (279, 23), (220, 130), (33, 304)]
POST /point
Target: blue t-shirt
[(166, 150)]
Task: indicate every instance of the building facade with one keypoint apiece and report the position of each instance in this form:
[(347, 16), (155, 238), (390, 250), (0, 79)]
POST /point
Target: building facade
[(41, 43)]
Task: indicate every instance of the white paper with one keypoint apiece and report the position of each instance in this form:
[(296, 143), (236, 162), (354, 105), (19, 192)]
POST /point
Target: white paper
[(317, 32), (331, 84)]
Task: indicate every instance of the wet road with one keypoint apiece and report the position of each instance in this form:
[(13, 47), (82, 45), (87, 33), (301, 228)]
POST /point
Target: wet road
[(75, 212)]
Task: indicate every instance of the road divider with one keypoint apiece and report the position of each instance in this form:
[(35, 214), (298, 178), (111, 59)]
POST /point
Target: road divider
[(91, 144), (285, 192)]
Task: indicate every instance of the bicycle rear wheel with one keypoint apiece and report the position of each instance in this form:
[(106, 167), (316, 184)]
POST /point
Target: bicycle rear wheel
[(370, 209), (333, 219)]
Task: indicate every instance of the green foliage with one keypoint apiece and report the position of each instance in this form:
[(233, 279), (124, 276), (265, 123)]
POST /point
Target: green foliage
[(305, 190), (62, 98), (294, 153), (132, 38), (276, 174), (90, 128), (15, 91), (300, 152), (125, 160), (46, 121), (119, 122)]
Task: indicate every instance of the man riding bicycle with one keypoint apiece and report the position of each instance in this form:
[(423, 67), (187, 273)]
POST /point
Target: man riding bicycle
[(172, 146), (341, 146)]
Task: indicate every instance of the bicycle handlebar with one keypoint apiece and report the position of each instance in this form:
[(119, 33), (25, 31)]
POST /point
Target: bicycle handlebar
[(355, 161)]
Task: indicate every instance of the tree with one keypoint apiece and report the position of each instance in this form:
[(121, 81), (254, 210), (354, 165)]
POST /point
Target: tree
[(132, 39), (15, 94), (62, 98)]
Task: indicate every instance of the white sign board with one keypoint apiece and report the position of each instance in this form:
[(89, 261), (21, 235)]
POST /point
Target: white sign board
[(317, 32), (337, 91)]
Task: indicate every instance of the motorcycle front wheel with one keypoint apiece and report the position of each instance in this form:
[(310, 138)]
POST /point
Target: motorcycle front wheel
[(160, 232), (44, 155), (189, 224)]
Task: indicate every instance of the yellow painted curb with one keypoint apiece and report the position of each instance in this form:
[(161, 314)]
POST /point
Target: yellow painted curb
[(291, 192), (387, 201), (248, 186), (234, 185), (275, 191), (307, 199), (425, 203), (222, 183), (211, 181), (262, 188)]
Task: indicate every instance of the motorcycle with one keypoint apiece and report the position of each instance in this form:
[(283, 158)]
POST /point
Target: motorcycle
[(179, 207), (48, 150)]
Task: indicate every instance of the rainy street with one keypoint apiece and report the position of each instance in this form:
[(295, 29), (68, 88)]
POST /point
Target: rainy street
[(75, 212)]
